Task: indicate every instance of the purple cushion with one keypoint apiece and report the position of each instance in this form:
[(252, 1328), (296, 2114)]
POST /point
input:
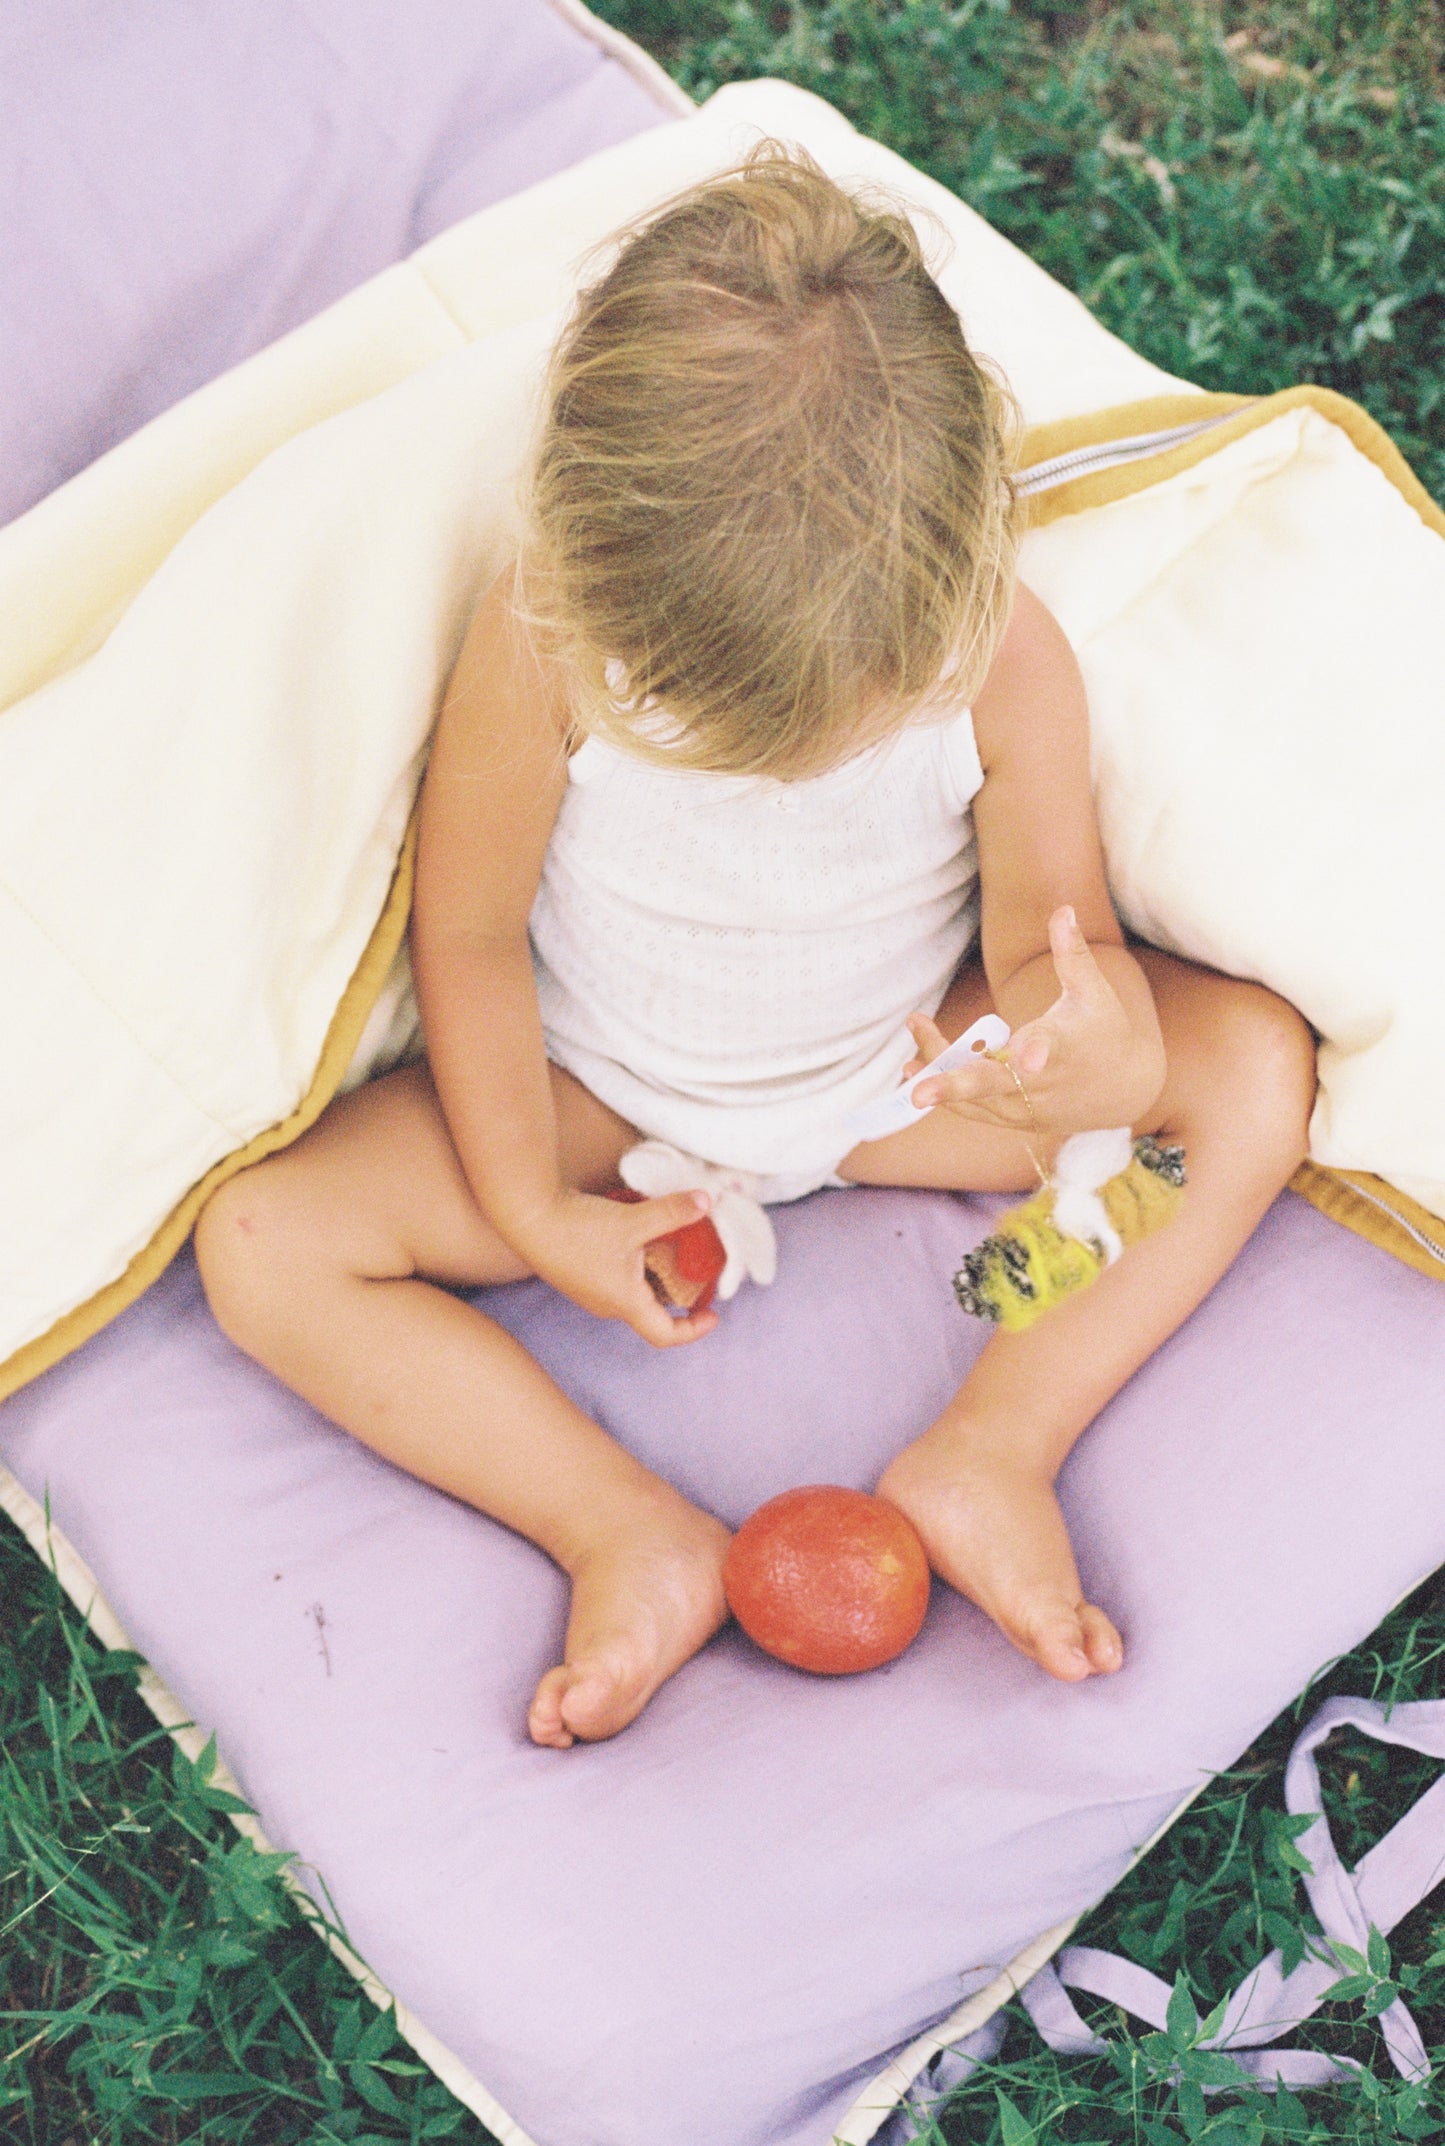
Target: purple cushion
[(714, 1927), (193, 180)]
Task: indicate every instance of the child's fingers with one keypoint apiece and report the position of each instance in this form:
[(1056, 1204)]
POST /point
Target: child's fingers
[(930, 1040), (1078, 972), (984, 1083), (1030, 1051), (665, 1330), (691, 1328), (660, 1217)]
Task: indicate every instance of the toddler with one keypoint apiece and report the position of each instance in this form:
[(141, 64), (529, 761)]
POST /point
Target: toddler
[(756, 756)]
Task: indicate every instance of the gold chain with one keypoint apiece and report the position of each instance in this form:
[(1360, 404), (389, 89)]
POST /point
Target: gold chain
[(1002, 1058)]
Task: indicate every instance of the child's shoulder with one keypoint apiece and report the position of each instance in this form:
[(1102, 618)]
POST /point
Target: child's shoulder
[(501, 684), (1034, 690)]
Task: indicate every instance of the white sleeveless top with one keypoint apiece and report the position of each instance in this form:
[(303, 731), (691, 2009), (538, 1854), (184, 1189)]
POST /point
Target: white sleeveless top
[(727, 961)]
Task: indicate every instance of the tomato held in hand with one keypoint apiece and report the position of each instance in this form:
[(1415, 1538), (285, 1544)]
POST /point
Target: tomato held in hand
[(685, 1267), (828, 1579)]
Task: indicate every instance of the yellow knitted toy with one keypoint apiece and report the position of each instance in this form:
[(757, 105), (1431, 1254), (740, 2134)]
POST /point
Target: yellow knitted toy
[(1107, 1190)]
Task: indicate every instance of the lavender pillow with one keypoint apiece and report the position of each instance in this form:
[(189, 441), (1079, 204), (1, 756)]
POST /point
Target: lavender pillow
[(194, 180), (716, 1927)]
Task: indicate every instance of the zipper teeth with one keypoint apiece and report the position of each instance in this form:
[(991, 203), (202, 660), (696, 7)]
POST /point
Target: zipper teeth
[(1426, 1244), (1058, 469)]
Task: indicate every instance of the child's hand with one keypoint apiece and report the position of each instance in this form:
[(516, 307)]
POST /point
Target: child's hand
[(1085, 1063), (592, 1250)]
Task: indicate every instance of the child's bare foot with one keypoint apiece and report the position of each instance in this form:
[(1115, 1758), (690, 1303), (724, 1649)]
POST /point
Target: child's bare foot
[(643, 1602), (994, 1531)]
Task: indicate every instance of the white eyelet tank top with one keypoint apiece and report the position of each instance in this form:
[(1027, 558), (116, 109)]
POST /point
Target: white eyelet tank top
[(728, 961)]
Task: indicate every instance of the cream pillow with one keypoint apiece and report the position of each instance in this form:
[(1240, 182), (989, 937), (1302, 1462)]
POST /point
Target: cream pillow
[(1263, 637)]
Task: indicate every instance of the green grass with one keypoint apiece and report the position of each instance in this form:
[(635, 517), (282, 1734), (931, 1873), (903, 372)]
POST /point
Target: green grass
[(1219, 1892), (1251, 197), (156, 1981)]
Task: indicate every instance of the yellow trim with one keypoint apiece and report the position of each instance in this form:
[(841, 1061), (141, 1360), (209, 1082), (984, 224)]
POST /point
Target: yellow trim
[(1341, 1195), (1376, 1211), (1100, 488), (151, 1261)]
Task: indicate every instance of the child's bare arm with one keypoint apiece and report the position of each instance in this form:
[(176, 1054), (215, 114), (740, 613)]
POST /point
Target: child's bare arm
[(1086, 1035), (495, 781)]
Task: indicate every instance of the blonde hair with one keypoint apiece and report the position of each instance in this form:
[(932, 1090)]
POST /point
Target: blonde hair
[(771, 509)]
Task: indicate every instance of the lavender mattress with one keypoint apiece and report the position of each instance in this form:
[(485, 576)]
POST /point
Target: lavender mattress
[(713, 1929), (194, 180)]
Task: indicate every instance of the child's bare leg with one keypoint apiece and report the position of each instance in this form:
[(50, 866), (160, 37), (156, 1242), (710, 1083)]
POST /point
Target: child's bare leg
[(979, 1484), (314, 1263)]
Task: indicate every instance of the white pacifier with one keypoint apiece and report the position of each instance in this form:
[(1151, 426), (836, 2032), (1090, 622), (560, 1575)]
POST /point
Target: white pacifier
[(896, 1112)]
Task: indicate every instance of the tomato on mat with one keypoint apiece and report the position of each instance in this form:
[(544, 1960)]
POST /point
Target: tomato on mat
[(828, 1579)]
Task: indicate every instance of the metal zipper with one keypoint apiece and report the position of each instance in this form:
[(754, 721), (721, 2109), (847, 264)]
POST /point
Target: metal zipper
[(1108, 454), (1426, 1244)]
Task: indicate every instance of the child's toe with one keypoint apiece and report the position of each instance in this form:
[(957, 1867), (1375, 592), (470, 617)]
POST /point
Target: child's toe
[(545, 1723), (1073, 1642), (1102, 1643), (1058, 1642), (594, 1705)]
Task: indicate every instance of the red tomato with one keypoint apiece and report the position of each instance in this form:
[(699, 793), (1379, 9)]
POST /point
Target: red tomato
[(685, 1266), (827, 1579)]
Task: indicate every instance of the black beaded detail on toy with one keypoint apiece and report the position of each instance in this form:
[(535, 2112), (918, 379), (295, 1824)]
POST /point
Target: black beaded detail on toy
[(1167, 1163), (971, 1284)]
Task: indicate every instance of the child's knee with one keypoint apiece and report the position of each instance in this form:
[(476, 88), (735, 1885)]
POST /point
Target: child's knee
[(1277, 1062), (248, 1241), (1255, 1079)]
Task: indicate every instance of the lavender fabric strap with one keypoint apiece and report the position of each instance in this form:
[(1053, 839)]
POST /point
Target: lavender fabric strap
[(1378, 1893)]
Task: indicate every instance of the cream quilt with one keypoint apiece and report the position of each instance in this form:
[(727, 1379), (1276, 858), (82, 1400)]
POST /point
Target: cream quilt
[(223, 646)]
